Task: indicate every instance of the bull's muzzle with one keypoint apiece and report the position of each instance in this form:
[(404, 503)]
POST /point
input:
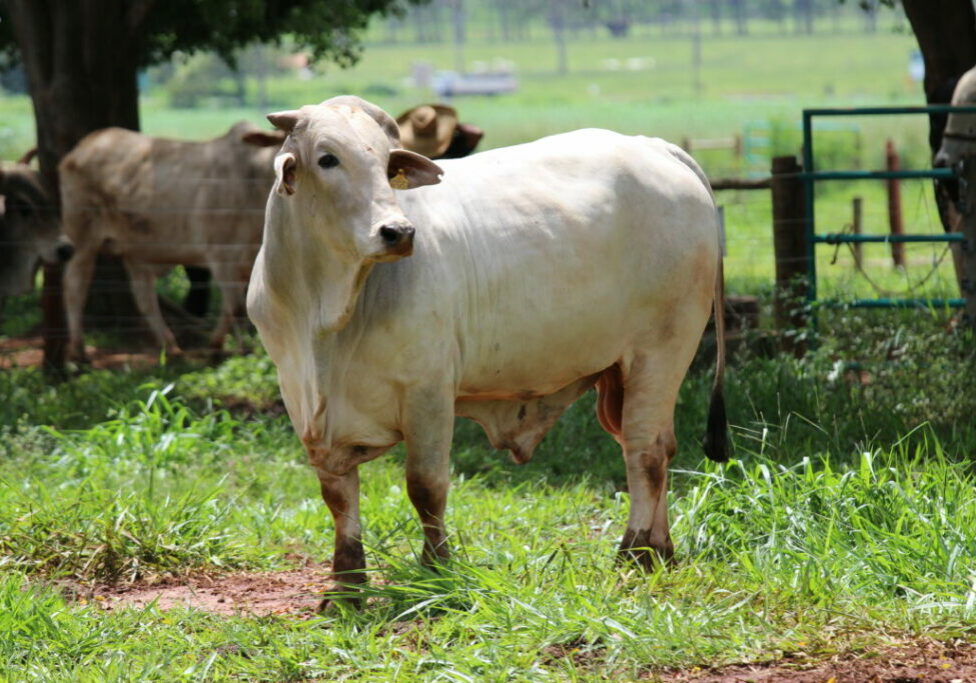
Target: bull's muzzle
[(397, 238), (65, 251)]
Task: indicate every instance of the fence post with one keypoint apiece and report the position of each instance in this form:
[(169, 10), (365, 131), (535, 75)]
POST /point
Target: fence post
[(857, 229), (967, 196), (893, 186), (789, 245)]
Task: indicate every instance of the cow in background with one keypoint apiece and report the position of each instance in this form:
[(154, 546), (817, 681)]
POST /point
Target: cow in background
[(391, 300), (29, 228), (157, 203), (958, 141)]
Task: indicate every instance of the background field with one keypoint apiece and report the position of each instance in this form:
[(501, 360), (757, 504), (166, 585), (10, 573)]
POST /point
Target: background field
[(844, 522)]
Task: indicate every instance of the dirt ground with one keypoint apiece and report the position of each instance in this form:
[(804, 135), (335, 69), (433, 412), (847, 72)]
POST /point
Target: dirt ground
[(23, 352), (920, 661), (296, 594)]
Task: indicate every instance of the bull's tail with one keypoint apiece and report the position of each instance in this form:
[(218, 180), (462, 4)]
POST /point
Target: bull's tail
[(716, 441)]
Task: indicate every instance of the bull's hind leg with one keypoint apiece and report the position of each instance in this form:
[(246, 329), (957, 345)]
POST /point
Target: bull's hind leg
[(636, 405), (232, 285), (142, 277)]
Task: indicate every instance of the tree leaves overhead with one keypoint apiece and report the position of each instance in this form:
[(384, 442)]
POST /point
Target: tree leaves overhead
[(159, 28), (329, 28)]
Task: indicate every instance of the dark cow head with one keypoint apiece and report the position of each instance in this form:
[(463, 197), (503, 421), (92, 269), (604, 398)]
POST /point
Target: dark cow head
[(29, 229)]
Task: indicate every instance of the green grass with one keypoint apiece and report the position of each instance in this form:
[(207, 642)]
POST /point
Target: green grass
[(845, 520)]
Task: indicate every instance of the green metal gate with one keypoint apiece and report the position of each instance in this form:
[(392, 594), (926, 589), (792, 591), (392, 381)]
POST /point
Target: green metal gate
[(810, 176)]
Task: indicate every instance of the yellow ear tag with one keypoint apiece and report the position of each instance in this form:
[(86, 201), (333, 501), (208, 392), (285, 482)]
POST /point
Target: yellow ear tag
[(399, 181)]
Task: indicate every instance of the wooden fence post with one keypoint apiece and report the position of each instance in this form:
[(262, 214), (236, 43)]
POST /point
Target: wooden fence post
[(893, 186), (967, 195), (789, 245)]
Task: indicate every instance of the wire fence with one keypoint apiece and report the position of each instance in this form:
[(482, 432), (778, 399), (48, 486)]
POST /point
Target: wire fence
[(749, 268)]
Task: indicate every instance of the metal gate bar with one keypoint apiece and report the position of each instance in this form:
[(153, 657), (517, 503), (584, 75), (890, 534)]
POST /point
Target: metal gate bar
[(810, 176)]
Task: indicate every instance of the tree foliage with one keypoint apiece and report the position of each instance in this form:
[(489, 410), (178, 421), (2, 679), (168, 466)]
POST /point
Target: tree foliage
[(159, 28)]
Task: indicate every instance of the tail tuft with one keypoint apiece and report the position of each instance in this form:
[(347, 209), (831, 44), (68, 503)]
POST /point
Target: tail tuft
[(716, 441)]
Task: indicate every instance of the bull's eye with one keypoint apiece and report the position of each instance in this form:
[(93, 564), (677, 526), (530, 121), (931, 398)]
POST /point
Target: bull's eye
[(328, 161)]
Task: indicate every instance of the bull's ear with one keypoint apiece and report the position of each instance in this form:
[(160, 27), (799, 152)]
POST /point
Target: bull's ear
[(285, 120), (28, 156), (264, 138), (284, 166), (408, 170)]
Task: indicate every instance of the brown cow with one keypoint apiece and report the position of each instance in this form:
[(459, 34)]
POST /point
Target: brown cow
[(157, 203)]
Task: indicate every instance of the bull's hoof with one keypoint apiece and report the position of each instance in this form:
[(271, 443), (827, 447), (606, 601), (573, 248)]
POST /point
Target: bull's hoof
[(637, 549), (79, 357), (217, 356), (172, 351), (435, 557), (342, 596)]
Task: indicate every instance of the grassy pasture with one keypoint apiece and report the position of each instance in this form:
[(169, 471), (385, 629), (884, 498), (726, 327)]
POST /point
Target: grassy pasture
[(838, 525), (845, 520)]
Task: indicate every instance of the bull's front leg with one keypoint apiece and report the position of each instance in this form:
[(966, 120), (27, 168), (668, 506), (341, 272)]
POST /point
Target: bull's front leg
[(341, 495), (428, 432)]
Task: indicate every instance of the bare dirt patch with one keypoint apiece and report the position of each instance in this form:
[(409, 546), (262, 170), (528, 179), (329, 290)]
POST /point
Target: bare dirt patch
[(295, 593), (24, 352), (919, 661)]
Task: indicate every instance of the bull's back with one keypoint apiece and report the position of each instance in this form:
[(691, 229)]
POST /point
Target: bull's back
[(551, 259)]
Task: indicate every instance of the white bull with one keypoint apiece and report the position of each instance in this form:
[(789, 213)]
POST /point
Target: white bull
[(537, 271)]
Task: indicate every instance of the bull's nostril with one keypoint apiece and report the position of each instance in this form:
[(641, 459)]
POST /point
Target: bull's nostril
[(65, 252), (391, 235)]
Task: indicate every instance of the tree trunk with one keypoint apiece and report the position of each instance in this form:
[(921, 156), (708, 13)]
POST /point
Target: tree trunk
[(457, 23), (803, 16), (715, 10), (557, 21), (77, 86), (741, 19), (946, 35), (870, 9)]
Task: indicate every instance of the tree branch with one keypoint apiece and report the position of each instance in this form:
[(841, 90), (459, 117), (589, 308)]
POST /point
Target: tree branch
[(138, 11)]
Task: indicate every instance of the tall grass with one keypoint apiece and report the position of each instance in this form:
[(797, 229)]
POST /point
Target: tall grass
[(845, 520)]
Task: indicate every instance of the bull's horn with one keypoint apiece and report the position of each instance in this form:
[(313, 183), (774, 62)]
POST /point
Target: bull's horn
[(285, 120)]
